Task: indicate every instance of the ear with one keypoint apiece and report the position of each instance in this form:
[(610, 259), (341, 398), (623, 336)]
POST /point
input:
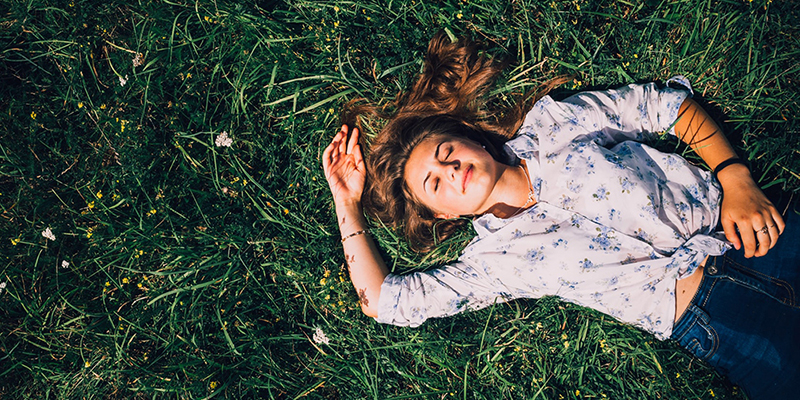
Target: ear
[(445, 216)]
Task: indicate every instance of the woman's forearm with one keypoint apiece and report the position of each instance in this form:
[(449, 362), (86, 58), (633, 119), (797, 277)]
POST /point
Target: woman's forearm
[(366, 267), (698, 130)]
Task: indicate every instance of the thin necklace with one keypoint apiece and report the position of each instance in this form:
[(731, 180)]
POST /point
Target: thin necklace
[(530, 191)]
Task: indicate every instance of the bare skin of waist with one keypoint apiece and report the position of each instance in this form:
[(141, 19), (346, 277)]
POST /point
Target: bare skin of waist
[(686, 288)]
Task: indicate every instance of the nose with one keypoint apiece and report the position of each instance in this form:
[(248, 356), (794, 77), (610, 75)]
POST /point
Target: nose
[(451, 168)]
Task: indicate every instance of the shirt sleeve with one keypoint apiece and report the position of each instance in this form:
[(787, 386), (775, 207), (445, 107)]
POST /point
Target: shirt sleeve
[(632, 112), (409, 300)]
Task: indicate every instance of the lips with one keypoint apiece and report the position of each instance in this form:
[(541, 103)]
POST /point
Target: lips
[(467, 177)]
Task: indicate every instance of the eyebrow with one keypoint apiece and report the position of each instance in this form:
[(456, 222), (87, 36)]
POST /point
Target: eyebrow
[(436, 156)]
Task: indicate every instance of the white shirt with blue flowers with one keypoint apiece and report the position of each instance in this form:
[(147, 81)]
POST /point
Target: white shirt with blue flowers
[(616, 222)]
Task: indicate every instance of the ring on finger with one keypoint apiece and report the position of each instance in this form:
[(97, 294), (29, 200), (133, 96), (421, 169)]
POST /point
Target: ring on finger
[(764, 230)]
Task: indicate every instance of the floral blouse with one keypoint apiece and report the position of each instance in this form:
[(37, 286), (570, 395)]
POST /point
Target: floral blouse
[(615, 225)]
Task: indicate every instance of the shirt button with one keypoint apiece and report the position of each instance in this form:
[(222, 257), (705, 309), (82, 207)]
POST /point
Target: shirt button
[(712, 270)]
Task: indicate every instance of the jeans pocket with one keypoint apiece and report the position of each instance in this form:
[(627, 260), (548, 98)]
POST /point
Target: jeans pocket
[(699, 337)]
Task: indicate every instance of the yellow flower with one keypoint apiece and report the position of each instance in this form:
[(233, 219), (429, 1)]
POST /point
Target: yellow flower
[(99, 194), (459, 15), (213, 385), (102, 106), (16, 241), (711, 391), (87, 364), (89, 234), (336, 8), (327, 273), (207, 18), (635, 55), (323, 281), (33, 114), (124, 280), (286, 211), (90, 205), (139, 285), (108, 283), (577, 392), (566, 345), (678, 375), (336, 24), (80, 104), (188, 75)]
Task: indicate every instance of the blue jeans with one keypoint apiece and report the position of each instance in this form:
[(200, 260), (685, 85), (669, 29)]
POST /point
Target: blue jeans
[(745, 318)]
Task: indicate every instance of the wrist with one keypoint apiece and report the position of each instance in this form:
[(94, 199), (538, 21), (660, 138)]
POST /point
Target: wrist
[(733, 174), (348, 206)]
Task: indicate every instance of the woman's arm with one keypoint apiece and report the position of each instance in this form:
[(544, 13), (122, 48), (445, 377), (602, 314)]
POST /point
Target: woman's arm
[(345, 172), (744, 206)]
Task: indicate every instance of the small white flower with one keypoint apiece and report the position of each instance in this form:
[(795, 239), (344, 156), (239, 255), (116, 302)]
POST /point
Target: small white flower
[(123, 81), (49, 234), (320, 337), (137, 61), (223, 140), (2, 286), (64, 264)]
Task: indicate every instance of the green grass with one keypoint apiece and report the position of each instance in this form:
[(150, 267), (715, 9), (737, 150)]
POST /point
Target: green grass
[(198, 271)]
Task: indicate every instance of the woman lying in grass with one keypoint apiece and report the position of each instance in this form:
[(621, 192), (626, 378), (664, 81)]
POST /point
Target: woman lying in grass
[(568, 202)]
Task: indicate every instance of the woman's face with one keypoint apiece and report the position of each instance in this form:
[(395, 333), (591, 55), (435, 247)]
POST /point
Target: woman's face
[(452, 176)]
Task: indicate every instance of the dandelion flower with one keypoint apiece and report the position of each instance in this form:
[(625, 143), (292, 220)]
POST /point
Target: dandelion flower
[(123, 81), (223, 140), (64, 264), (320, 337), (49, 234)]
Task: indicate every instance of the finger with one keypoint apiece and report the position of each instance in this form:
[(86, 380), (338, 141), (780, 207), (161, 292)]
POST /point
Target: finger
[(776, 227), (326, 157), (343, 141), (357, 155), (778, 218), (764, 241), (352, 141), (748, 240), (730, 233)]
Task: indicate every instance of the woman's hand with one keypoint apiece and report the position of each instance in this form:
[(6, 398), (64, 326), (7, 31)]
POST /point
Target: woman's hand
[(344, 167), (745, 207)]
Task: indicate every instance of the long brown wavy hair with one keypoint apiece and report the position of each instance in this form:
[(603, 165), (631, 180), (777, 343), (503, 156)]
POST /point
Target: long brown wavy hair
[(446, 100)]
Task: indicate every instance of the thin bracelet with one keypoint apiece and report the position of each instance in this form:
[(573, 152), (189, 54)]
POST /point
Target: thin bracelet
[(356, 233), (728, 162)]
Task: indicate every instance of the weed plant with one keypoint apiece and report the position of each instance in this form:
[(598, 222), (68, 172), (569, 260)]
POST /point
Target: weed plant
[(172, 149)]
